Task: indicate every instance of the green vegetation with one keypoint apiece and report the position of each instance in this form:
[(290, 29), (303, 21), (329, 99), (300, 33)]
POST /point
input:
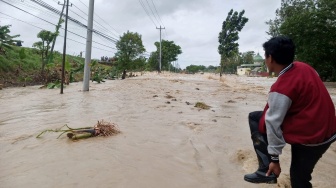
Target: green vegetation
[(6, 40), (130, 50), (169, 51), (247, 57), (201, 68), (310, 23), (22, 66), (19, 58), (228, 37), (43, 46), (312, 26)]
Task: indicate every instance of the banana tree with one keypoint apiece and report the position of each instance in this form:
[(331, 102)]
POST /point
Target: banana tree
[(6, 40)]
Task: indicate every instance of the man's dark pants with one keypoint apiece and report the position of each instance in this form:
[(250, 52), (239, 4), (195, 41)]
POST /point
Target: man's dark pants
[(304, 158)]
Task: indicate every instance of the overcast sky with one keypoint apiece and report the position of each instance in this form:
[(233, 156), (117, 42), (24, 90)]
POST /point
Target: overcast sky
[(192, 24)]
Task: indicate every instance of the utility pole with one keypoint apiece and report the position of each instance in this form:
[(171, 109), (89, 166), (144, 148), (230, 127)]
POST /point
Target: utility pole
[(160, 48), (86, 79), (57, 32), (64, 47)]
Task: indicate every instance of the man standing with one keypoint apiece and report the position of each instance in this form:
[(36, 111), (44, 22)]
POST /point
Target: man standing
[(299, 111)]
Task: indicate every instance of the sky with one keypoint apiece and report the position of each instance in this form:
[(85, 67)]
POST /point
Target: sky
[(194, 25)]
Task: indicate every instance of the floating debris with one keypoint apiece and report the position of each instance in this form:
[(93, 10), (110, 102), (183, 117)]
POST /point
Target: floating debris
[(102, 128), (169, 96), (202, 105)]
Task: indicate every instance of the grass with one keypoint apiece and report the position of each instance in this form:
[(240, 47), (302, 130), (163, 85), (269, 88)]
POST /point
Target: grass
[(21, 66), (11, 61)]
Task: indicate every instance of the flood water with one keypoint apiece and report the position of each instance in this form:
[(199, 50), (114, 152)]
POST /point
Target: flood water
[(163, 142)]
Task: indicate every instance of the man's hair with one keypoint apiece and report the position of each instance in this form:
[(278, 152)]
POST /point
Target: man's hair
[(282, 49)]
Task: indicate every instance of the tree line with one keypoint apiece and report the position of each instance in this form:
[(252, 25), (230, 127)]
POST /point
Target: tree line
[(312, 26), (230, 66), (310, 23), (130, 54)]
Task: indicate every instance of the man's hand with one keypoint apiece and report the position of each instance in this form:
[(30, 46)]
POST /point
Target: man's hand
[(275, 168)]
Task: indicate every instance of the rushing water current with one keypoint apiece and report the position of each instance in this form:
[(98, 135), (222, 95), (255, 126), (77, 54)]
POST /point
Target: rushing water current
[(165, 142)]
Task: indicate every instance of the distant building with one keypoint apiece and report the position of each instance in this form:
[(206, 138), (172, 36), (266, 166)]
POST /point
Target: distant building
[(258, 59), (251, 69)]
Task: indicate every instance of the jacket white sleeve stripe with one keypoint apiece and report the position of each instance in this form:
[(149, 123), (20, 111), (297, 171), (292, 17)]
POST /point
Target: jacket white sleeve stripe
[(278, 107)]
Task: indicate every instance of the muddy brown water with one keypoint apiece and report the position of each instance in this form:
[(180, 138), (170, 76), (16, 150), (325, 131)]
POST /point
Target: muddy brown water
[(161, 144)]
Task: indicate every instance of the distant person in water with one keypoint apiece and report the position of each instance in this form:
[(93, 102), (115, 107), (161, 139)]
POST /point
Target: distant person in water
[(299, 111), (123, 76)]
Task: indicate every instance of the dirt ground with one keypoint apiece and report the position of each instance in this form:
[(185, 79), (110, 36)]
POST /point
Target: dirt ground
[(165, 141)]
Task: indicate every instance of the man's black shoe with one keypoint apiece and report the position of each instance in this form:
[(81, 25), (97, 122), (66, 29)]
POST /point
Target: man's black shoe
[(260, 177)]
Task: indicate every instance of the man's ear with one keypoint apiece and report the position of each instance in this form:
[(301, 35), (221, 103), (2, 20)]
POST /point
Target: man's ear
[(271, 59)]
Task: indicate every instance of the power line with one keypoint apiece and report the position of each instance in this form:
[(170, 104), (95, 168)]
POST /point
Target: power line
[(108, 25), (78, 15), (31, 7), (21, 21), (156, 16), (165, 32), (101, 27), (157, 13), (97, 32), (39, 17), (83, 3), (102, 19), (45, 5), (143, 6), (99, 24), (51, 10), (27, 22), (28, 13), (152, 12), (58, 35), (80, 10), (52, 24)]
